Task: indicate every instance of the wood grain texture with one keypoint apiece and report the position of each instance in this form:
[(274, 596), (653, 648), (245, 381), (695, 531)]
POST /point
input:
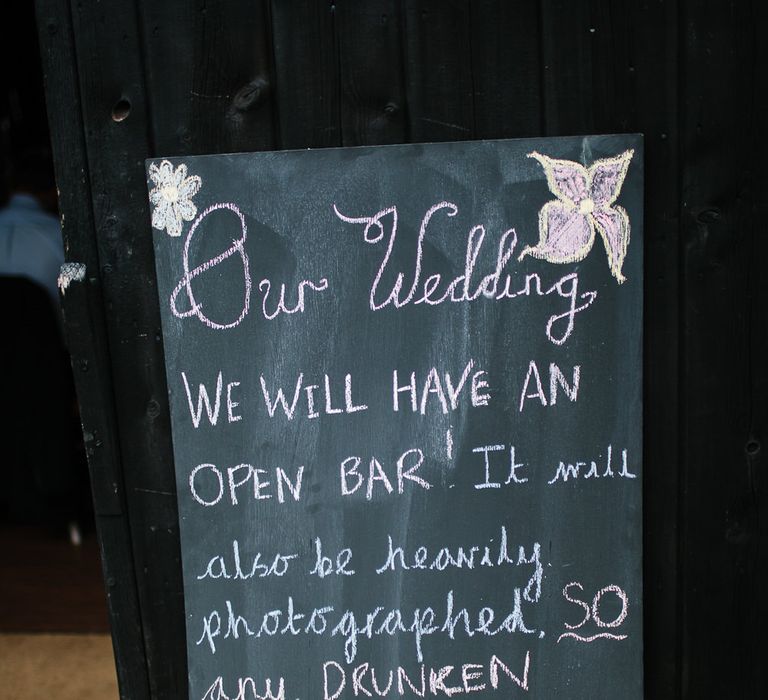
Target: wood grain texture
[(439, 70), (652, 107), (85, 321), (307, 72), (108, 60), (209, 76), (723, 378), (373, 98), (567, 58), (507, 73)]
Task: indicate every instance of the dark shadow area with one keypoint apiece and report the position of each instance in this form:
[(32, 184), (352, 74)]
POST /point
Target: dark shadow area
[(48, 585), (51, 579)]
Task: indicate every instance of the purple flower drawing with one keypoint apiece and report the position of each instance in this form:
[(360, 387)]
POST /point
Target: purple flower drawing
[(585, 203)]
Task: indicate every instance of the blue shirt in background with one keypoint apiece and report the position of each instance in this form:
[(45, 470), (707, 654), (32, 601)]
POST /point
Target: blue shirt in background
[(30, 243)]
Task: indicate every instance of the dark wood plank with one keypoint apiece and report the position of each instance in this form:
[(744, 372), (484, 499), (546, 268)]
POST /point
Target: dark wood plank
[(723, 511), (637, 90), (652, 107), (115, 121), (85, 330), (373, 99), (507, 69), (586, 78), (439, 70), (307, 74), (87, 340), (756, 445), (567, 61), (209, 77)]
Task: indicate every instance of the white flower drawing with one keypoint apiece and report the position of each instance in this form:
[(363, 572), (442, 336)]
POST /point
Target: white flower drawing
[(172, 196)]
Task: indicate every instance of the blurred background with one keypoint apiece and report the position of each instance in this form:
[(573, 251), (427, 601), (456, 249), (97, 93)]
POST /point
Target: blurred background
[(54, 629)]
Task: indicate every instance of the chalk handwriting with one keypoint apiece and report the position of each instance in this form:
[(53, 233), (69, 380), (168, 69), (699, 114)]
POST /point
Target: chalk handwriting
[(204, 401), (403, 587), (533, 389), (195, 307), (185, 284), (324, 566), (246, 690), (593, 612), (217, 567), (406, 467), (576, 470), (491, 554), (440, 389), (278, 397), (513, 475), (445, 620), (209, 485), (366, 680), (265, 287), (495, 285)]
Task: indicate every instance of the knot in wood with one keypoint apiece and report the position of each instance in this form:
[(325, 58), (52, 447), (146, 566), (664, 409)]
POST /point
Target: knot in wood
[(250, 95)]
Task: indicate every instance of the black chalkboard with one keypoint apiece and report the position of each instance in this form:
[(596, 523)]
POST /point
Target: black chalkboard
[(405, 385)]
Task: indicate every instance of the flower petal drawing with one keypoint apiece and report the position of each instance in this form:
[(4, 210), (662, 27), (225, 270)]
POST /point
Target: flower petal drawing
[(568, 181), (565, 234), (185, 209), (190, 187), (606, 178), (180, 175), (173, 223), (172, 196), (155, 197), (613, 225), (160, 214), (584, 202), (161, 173)]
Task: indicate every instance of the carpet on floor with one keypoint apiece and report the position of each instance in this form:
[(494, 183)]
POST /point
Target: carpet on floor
[(57, 666)]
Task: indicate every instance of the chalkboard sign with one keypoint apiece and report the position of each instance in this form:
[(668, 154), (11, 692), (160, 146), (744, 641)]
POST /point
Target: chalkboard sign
[(405, 389)]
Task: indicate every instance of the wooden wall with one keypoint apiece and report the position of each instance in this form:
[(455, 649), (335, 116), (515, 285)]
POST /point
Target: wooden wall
[(130, 79)]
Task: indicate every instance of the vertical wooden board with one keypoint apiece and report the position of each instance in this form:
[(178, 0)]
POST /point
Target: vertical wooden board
[(612, 33), (653, 78), (307, 75), (373, 98), (585, 52), (507, 69), (209, 77), (87, 344), (567, 58), (439, 70), (115, 125), (120, 581), (756, 446), (723, 548), (90, 362)]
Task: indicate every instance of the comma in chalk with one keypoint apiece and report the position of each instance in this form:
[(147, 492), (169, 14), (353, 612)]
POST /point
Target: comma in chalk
[(585, 199), (172, 196)]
